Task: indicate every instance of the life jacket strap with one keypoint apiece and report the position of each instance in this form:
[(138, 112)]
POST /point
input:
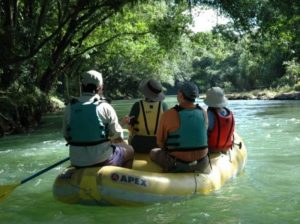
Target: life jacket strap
[(145, 119), (179, 108)]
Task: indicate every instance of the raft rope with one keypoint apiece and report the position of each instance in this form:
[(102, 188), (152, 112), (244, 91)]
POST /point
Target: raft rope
[(86, 191), (196, 185), (209, 160)]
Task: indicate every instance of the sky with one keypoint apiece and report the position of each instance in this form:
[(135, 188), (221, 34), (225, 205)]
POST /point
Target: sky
[(206, 19)]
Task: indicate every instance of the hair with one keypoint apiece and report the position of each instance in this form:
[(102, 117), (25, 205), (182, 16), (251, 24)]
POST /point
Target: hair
[(89, 88)]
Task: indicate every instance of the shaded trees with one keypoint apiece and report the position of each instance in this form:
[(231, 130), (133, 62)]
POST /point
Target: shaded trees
[(45, 39), (46, 42), (50, 30), (274, 29)]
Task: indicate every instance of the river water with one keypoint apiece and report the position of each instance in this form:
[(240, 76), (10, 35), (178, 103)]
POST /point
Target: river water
[(266, 192)]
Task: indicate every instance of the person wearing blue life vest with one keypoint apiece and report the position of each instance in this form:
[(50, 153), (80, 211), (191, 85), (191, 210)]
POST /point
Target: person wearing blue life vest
[(182, 135), (221, 121), (92, 130), (144, 116)]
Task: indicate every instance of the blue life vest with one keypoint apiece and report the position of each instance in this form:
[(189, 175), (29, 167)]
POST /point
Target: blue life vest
[(86, 127), (192, 132)]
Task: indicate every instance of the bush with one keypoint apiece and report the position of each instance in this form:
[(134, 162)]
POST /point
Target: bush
[(297, 86), (292, 72), (228, 87)]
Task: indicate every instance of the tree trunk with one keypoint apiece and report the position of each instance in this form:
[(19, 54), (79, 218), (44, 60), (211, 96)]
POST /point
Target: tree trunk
[(7, 78), (47, 80)]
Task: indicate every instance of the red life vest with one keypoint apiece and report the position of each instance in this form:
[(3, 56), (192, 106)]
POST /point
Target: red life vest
[(220, 138)]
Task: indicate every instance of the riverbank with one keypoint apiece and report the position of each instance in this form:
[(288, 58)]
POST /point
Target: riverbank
[(266, 95), (262, 95)]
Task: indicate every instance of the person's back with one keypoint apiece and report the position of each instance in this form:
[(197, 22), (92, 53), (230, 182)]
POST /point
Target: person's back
[(221, 121), (145, 116), (90, 125), (182, 135)]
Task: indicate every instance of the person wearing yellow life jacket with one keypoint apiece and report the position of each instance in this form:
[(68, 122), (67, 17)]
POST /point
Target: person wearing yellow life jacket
[(145, 115), (221, 121), (182, 135), (92, 130)]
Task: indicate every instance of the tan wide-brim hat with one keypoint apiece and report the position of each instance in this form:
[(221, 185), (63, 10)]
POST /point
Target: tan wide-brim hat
[(152, 90), (215, 98)]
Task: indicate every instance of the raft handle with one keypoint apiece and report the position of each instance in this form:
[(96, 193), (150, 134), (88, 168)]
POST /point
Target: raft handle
[(239, 144)]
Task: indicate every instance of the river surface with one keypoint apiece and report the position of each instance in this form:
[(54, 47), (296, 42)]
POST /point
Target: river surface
[(266, 192)]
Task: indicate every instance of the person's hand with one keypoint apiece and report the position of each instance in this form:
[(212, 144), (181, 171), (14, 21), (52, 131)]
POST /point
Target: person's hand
[(117, 140), (126, 120)]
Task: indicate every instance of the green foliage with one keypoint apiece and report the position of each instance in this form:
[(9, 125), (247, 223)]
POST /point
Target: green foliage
[(133, 49), (292, 74), (22, 110), (49, 41), (171, 26), (297, 86), (47, 45)]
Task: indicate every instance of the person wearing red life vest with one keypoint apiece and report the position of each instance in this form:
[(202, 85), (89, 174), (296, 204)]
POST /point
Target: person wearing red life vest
[(221, 121)]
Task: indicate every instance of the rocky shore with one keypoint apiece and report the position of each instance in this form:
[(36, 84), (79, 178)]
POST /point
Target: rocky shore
[(263, 95)]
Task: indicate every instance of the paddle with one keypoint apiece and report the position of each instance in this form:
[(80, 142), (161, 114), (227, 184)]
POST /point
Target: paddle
[(5, 190)]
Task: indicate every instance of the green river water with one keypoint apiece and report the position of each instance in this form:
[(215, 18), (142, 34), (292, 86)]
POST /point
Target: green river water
[(266, 192)]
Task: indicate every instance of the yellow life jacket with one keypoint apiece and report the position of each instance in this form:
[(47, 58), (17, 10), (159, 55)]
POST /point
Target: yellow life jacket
[(148, 119)]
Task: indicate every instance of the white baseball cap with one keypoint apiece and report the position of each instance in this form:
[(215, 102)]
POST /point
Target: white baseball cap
[(92, 77)]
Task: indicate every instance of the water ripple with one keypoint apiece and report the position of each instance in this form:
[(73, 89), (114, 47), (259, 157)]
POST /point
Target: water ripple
[(6, 151)]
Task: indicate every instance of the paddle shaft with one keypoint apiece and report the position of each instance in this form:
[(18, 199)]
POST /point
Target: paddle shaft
[(44, 170)]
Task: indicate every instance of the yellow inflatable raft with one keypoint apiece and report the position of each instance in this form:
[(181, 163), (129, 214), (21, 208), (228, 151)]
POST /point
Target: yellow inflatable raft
[(145, 183)]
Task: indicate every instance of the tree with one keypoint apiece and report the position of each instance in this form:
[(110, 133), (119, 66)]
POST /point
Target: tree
[(46, 39), (48, 29)]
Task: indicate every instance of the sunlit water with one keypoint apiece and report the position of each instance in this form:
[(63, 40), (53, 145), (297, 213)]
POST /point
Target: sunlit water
[(267, 192)]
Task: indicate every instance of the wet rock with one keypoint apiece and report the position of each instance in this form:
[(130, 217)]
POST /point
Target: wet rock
[(295, 95)]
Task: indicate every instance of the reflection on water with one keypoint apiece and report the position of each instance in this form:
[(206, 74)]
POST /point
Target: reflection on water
[(266, 192)]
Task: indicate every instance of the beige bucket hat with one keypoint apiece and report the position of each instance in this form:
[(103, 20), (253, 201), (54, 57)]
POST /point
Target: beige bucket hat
[(92, 77), (215, 97), (152, 90)]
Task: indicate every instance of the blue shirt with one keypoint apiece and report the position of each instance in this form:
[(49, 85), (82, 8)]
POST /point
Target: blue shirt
[(211, 117)]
